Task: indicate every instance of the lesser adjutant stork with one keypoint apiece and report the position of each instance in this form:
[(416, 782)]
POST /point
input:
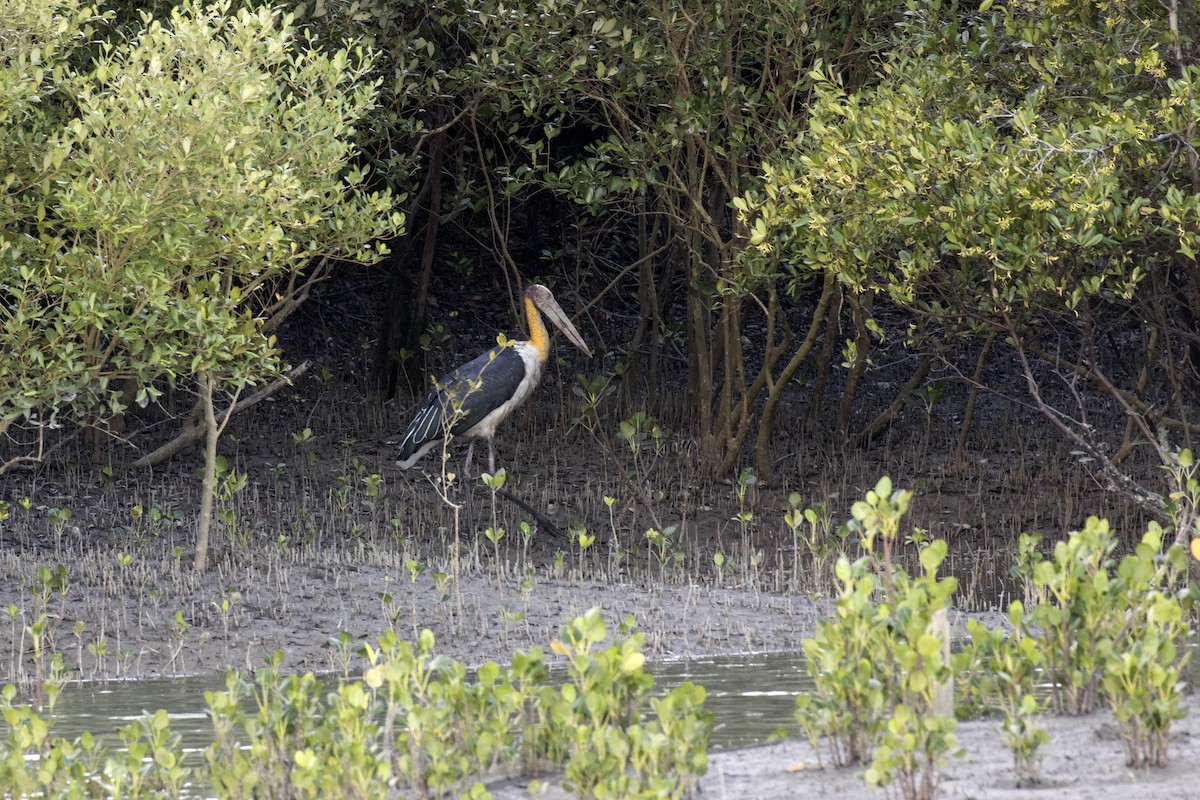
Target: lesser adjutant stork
[(476, 397)]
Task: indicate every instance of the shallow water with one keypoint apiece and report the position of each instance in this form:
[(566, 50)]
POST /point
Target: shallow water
[(750, 697), (104, 707)]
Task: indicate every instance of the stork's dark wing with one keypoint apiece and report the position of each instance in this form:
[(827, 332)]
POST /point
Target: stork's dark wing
[(464, 397)]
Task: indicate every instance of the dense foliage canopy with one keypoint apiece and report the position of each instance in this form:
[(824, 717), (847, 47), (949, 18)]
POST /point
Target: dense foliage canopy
[(164, 195), (744, 179)]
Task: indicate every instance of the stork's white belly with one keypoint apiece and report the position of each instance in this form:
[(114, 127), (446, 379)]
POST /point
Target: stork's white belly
[(486, 427)]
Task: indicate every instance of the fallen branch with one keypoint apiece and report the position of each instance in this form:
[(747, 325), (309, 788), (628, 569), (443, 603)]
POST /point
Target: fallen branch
[(1118, 481), (553, 529), (1125, 397), (892, 413), (194, 425), (36, 458)]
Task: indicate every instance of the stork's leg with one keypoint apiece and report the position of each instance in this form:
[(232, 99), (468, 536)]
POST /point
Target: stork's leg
[(468, 484), (466, 476), (491, 457)]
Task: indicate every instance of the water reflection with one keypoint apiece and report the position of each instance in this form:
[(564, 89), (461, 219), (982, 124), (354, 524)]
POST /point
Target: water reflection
[(105, 708), (750, 696)]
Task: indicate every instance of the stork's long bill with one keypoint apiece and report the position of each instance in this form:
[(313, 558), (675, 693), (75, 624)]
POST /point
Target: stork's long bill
[(539, 297), (479, 395)]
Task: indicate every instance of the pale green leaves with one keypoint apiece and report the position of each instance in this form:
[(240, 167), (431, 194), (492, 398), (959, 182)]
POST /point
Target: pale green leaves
[(934, 182), (880, 512), (207, 162), (877, 664)]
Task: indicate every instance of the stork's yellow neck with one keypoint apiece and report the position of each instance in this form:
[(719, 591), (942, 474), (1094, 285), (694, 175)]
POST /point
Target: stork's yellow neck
[(538, 337)]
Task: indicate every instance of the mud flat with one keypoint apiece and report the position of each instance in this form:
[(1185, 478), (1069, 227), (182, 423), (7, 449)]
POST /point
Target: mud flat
[(1083, 761)]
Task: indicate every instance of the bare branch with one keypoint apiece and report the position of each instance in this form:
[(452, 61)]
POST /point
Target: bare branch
[(1118, 481), (194, 426)]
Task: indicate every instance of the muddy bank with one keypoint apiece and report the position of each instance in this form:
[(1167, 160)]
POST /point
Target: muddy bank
[(1083, 761), (238, 615), (121, 618), (322, 534)]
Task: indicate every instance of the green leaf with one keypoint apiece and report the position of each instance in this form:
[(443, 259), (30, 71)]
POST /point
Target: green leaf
[(929, 646), (932, 555)]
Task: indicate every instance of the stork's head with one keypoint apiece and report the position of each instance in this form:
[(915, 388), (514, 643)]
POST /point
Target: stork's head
[(544, 300)]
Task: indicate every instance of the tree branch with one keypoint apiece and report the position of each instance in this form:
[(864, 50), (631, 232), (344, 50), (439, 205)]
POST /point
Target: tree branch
[(194, 426), (1117, 480)]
